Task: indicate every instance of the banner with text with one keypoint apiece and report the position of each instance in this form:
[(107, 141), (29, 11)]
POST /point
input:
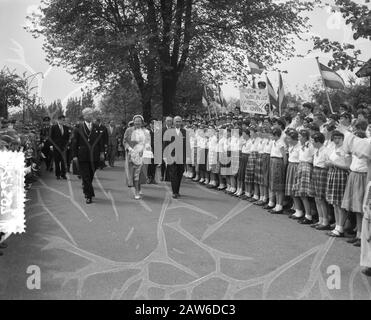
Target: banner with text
[(254, 100)]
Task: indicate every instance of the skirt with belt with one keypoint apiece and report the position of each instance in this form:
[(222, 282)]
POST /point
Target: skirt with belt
[(336, 183), (225, 163), (277, 175)]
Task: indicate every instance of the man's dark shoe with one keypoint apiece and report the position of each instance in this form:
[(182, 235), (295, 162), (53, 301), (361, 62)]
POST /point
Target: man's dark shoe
[(89, 201)]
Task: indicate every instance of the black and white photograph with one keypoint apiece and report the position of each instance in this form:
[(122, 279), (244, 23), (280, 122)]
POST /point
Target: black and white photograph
[(184, 151)]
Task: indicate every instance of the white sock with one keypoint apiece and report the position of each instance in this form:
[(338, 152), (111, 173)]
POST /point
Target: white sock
[(325, 222), (248, 194), (308, 216), (341, 229), (298, 213), (256, 197), (271, 204), (320, 220), (278, 207)]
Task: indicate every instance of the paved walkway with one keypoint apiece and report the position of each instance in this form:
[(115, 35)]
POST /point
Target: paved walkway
[(205, 245)]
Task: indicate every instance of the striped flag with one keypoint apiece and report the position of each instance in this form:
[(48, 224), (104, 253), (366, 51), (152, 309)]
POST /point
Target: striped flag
[(272, 94), (281, 94), (255, 66), (330, 78)]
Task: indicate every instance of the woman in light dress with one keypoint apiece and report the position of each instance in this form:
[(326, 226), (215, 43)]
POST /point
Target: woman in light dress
[(137, 142)]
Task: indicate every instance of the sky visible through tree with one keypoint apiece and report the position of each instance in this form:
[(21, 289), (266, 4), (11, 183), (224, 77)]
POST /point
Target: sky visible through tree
[(20, 51)]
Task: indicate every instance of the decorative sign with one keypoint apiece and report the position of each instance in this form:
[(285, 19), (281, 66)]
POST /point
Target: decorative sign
[(12, 192), (254, 100)]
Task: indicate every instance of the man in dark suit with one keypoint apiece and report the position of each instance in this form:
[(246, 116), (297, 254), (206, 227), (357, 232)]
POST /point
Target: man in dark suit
[(112, 133), (176, 154), (87, 150), (59, 137), (104, 136), (45, 143)]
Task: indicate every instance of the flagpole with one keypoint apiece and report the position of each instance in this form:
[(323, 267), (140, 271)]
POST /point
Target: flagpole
[(324, 84), (279, 91), (270, 104)]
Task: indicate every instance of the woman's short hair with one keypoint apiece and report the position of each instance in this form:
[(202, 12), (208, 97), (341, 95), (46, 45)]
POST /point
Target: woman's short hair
[(293, 134), (305, 133), (360, 134), (138, 116), (277, 132), (318, 137), (337, 134)]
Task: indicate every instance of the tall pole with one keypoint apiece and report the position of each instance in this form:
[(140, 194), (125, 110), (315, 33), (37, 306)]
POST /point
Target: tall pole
[(324, 84)]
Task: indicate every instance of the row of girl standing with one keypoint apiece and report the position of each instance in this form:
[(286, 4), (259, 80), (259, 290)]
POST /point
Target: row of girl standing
[(271, 168)]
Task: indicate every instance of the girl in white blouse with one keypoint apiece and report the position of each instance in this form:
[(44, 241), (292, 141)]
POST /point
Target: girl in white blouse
[(338, 164), (355, 190), (277, 173), (303, 182), (319, 178)]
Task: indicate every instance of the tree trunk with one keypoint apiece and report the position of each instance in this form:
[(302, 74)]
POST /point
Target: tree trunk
[(169, 86), (4, 108), (147, 109)]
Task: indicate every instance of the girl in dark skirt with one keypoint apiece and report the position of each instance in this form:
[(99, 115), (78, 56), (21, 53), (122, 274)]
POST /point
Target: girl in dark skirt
[(213, 157), (262, 174), (277, 173), (319, 178), (245, 135), (251, 164), (292, 138), (355, 190), (338, 164), (303, 185)]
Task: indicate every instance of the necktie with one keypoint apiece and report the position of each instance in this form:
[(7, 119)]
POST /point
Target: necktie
[(61, 128)]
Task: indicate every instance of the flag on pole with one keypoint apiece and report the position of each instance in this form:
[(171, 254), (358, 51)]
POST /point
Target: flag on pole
[(219, 98), (330, 78), (281, 94), (272, 94), (255, 66)]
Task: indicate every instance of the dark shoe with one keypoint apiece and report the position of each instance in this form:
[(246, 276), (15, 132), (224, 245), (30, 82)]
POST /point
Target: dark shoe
[(64, 177), (268, 207), (305, 221), (289, 211), (294, 217), (175, 196), (315, 225), (352, 240), (88, 201), (323, 228), (252, 200), (258, 203), (336, 234), (58, 178), (276, 212), (357, 243), (367, 272)]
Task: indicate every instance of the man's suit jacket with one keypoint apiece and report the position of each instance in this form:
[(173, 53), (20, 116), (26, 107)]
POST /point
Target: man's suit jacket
[(87, 145), (104, 133), (58, 139), (180, 146), (112, 137)]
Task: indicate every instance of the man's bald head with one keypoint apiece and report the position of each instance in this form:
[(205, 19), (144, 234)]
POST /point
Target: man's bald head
[(178, 122)]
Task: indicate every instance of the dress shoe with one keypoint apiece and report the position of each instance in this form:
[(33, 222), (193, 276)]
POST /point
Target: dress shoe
[(357, 243), (252, 200), (335, 234), (275, 212), (352, 240), (367, 272), (289, 211), (88, 201), (294, 217), (305, 221), (175, 196), (267, 207), (315, 225), (323, 227), (261, 203)]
